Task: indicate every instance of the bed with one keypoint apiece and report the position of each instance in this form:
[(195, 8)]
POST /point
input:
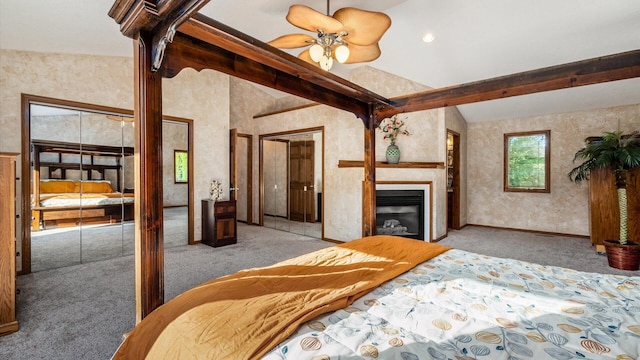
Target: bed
[(395, 298), (60, 198)]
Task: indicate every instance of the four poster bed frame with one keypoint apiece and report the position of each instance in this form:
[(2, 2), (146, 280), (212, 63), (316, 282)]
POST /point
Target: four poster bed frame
[(170, 35)]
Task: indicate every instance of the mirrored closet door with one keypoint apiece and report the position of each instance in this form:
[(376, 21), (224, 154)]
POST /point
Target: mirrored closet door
[(292, 178), (81, 185), (81, 166)]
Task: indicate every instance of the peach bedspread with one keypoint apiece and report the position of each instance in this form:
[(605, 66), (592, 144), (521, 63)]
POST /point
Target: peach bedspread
[(244, 315)]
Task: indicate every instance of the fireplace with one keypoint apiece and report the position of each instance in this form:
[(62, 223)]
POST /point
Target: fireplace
[(401, 213)]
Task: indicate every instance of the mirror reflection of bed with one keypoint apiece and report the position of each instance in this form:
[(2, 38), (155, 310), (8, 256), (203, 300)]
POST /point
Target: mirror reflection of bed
[(292, 178), (82, 187)]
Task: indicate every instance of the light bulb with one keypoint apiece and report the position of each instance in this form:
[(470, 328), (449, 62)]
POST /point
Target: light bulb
[(316, 52), (342, 53), (428, 37), (326, 63)]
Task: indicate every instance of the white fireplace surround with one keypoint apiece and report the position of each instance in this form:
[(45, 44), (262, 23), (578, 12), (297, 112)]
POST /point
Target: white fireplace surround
[(426, 188)]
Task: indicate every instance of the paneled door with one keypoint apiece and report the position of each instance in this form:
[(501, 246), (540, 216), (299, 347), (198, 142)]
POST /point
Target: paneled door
[(301, 197), (240, 174)]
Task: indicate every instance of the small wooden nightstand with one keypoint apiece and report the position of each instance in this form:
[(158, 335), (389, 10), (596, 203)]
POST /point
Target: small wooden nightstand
[(219, 225)]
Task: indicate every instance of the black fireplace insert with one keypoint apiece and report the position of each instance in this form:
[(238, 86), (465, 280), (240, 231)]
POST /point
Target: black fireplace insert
[(400, 213)]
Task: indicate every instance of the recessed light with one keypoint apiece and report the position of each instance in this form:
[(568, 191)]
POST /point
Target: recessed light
[(428, 37)]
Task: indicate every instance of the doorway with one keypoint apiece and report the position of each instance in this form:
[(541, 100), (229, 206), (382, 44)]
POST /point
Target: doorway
[(453, 180), (301, 182), (241, 174), (291, 181)]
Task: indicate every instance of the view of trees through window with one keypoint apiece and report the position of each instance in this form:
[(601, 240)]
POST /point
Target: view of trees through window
[(527, 161)]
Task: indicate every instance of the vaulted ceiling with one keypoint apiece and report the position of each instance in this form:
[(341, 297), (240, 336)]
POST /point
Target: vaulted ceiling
[(474, 40)]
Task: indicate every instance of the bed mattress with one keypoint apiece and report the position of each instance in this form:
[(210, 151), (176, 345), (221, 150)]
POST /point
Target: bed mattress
[(461, 305)]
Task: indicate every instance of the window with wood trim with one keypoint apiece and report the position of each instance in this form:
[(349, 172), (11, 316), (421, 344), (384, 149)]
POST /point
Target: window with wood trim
[(527, 161), (181, 166)]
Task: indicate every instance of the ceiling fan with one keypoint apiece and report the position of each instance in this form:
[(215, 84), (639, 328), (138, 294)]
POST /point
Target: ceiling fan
[(349, 36)]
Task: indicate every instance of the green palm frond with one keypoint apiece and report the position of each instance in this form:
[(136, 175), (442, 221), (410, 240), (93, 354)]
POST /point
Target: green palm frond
[(615, 150)]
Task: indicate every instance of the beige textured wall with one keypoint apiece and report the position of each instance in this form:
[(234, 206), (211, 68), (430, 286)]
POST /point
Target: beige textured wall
[(248, 101), (566, 208), (203, 97)]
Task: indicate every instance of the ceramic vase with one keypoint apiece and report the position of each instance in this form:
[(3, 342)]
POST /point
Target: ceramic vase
[(393, 154)]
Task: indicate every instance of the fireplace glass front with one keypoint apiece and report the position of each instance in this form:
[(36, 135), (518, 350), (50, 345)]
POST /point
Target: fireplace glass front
[(400, 213)]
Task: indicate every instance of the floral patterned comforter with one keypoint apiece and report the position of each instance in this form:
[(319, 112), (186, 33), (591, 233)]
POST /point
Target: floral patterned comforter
[(461, 305)]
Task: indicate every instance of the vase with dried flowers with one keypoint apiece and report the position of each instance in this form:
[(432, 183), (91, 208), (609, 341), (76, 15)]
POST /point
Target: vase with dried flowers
[(392, 128), (215, 193)]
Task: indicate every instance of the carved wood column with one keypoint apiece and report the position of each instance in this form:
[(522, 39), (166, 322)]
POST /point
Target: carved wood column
[(369, 187), (149, 252)]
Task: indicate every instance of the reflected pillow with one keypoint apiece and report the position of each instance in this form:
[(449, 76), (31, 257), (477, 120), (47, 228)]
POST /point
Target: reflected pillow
[(101, 186), (57, 186)]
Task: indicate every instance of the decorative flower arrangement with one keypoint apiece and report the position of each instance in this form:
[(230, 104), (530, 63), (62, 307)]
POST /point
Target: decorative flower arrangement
[(216, 190), (392, 127)]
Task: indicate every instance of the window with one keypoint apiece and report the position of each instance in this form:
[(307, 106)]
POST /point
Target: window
[(526, 161), (181, 166)]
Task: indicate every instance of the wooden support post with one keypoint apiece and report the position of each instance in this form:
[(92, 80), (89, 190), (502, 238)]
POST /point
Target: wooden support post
[(369, 188), (149, 252)]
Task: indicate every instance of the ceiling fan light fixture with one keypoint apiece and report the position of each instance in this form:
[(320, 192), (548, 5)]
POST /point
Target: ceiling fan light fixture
[(316, 51), (348, 36), (326, 62), (342, 53)]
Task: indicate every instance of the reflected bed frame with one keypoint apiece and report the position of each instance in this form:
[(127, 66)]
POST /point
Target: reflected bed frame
[(42, 216)]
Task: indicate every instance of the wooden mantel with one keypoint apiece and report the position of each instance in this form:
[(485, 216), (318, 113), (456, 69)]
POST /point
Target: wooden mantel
[(170, 35), (401, 165)]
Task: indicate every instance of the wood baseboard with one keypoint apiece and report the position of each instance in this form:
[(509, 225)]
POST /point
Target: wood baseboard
[(532, 231), (440, 238), (333, 241)]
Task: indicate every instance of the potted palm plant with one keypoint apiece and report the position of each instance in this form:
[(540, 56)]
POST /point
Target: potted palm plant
[(620, 153)]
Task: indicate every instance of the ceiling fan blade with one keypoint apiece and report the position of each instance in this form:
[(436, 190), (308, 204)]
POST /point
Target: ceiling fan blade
[(306, 18), (306, 57), (364, 27), (292, 41), (359, 53)]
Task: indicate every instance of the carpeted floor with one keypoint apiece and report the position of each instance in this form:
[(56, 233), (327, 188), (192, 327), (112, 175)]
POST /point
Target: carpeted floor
[(569, 252), (60, 247), (81, 311)]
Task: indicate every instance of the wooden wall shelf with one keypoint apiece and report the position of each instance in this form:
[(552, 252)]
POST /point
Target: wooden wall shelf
[(382, 164)]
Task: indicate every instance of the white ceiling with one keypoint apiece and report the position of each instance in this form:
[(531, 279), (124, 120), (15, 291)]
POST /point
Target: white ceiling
[(475, 40)]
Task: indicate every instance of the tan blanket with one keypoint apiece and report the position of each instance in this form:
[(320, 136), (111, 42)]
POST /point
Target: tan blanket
[(244, 315)]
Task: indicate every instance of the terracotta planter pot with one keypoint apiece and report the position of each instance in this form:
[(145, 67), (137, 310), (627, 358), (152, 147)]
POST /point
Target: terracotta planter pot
[(624, 257)]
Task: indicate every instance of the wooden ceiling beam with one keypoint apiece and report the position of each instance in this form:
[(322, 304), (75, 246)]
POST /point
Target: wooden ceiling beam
[(236, 42), (586, 72), (186, 52)]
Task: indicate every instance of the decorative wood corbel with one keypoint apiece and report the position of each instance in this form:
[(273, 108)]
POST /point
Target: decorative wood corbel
[(163, 35)]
